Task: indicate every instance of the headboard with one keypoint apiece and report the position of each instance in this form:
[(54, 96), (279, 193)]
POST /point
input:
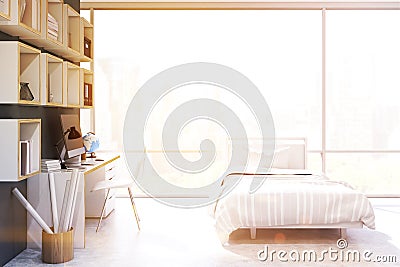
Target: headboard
[(290, 153)]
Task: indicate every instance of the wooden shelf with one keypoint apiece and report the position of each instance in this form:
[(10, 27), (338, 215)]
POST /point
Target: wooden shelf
[(13, 132), (5, 10), (72, 85), (87, 89), (54, 8), (71, 48), (86, 41), (51, 80), (72, 32), (26, 24), (19, 63)]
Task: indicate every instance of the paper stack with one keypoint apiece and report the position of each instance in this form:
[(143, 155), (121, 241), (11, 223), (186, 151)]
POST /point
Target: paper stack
[(49, 165), (52, 26)]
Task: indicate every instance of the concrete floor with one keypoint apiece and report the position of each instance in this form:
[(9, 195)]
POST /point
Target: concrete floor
[(186, 237)]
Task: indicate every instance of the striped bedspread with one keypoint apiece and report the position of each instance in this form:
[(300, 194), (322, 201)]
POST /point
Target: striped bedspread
[(291, 200)]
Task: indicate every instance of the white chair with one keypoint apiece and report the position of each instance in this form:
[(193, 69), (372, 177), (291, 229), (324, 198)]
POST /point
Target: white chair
[(113, 184)]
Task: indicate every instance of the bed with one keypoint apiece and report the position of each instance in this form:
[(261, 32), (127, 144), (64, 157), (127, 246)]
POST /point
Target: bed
[(292, 197)]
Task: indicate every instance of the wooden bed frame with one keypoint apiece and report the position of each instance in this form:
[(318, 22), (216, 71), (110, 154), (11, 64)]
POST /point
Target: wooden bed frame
[(342, 227)]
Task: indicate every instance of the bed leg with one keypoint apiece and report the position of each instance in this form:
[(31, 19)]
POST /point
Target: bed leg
[(253, 233), (343, 233)]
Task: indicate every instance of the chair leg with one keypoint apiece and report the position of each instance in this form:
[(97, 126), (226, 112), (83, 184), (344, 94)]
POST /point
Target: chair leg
[(102, 212), (134, 208)]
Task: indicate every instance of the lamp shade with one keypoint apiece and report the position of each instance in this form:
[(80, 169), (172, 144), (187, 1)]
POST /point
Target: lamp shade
[(73, 133)]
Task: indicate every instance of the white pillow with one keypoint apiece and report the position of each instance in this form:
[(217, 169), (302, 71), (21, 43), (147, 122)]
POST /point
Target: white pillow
[(281, 158)]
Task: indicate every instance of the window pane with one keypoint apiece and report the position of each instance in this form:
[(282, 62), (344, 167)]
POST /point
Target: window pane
[(314, 161), (363, 80), (280, 51), (86, 14), (366, 171), (85, 120)]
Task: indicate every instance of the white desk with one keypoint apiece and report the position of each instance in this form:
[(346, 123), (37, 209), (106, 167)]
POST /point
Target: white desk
[(87, 203)]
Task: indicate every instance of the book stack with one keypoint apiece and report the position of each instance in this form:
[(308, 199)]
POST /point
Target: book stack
[(50, 165), (52, 26)]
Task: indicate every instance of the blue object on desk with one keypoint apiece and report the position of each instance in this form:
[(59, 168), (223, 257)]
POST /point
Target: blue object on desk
[(91, 142)]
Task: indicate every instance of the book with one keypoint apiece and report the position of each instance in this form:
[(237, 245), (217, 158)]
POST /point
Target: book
[(52, 26), (24, 153), (30, 154), (52, 30), (49, 161), (34, 14), (52, 34), (50, 18), (51, 166)]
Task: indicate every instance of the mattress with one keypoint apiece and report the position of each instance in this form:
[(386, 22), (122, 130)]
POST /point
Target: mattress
[(291, 200)]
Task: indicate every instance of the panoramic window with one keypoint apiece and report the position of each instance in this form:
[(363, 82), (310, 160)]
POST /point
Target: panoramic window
[(280, 51), (362, 92)]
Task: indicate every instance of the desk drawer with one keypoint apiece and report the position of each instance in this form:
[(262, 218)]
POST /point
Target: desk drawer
[(110, 166), (94, 200), (111, 170), (111, 173)]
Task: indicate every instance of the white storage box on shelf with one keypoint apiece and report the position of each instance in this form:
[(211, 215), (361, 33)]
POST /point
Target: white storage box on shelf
[(21, 139), (51, 37), (51, 80), (72, 86), (19, 63), (24, 18), (71, 48), (87, 97), (86, 41), (5, 10)]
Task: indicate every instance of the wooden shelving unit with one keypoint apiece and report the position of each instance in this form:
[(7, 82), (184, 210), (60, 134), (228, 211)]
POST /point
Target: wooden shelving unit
[(72, 84), (19, 63), (71, 35), (24, 20), (5, 10), (87, 87), (51, 80), (21, 162)]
